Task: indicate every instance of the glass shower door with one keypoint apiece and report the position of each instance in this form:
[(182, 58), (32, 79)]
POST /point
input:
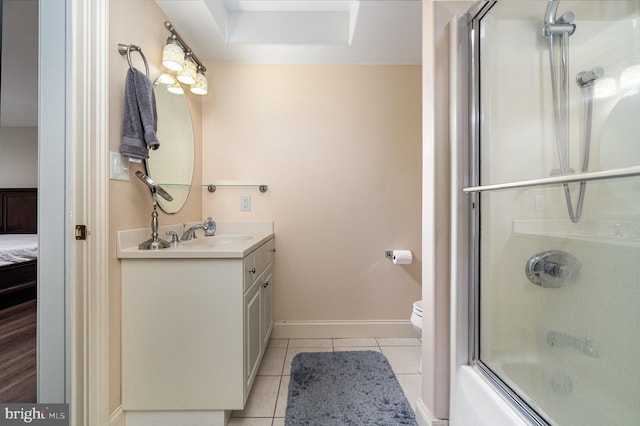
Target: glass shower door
[(557, 251)]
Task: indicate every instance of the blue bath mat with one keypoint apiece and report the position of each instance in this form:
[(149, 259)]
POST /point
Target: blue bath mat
[(345, 388)]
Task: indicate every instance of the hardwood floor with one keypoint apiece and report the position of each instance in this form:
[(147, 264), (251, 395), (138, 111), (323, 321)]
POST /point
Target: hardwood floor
[(18, 353)]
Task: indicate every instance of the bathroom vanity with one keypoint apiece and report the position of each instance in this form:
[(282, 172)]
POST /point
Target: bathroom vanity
[(196, 319)]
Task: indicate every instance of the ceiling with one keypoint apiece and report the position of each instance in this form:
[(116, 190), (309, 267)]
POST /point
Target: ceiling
[(300, 31), (247, 31)]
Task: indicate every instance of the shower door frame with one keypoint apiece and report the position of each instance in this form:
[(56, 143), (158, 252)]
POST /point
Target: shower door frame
[(466, 234), (474, 191), (472, 400)]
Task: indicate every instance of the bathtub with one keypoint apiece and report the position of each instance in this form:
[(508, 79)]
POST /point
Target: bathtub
[(474, 402)]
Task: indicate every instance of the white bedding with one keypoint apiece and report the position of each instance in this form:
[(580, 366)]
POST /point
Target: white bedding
[(18, 248)]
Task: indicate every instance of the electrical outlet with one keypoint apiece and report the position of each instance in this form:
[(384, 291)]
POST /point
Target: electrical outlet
[(245, 203), (119, 166)]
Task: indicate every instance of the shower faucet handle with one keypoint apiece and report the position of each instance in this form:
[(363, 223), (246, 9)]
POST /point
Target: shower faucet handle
[(552, 269)]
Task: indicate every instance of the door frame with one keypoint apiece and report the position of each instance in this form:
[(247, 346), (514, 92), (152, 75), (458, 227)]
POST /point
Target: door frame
[(73, 314)]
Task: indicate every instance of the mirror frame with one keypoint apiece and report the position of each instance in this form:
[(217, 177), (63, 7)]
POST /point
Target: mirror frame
[(172, 164)]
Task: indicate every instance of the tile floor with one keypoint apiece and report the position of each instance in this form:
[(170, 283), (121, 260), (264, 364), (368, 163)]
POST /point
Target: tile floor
[(267, 402)]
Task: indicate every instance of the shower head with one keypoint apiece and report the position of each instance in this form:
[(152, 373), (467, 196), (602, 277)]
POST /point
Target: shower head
[(588, 78)]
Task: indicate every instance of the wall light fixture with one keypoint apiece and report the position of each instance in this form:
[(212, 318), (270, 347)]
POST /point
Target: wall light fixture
[(191, 70), (188, 73), (201, 85), (172, 55)]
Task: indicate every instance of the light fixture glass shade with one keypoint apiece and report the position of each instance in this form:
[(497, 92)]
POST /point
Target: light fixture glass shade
[(165, 78), (200, 87), (173, 56), (175, 88), (188, 73)]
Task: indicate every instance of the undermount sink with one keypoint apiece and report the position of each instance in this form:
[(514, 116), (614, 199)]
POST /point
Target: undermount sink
[(216, 240), (233, 240)]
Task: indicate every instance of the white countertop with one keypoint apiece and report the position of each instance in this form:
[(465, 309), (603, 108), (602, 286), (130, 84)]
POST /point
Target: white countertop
[(232, 240)]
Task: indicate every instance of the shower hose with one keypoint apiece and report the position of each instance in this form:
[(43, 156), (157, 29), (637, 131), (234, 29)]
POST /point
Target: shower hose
[(561, 116)]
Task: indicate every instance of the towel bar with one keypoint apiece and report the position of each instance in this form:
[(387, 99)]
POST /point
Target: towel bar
[(126, 49)]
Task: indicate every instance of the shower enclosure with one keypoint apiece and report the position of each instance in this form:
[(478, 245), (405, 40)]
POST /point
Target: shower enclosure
[(549, 189)]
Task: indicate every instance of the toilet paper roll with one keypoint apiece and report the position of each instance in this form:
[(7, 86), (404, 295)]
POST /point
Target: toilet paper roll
[(402, 257)]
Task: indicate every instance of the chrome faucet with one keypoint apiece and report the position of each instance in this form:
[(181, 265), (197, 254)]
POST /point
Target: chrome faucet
[(174, 237), (191, 232)]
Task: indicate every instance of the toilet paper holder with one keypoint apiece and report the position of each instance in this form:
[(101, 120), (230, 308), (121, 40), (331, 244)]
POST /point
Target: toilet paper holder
[(399, 257)]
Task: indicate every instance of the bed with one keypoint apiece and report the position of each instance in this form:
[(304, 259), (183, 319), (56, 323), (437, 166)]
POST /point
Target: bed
[(18, 245)]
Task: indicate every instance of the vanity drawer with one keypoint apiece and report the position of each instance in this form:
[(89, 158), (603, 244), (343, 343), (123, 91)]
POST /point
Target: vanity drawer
[(256, 262), (264, 256)]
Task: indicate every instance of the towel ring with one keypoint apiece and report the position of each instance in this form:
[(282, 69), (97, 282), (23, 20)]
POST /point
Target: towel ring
[(126, 49)]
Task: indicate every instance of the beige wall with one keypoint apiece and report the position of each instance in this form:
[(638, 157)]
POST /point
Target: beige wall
[(19, 159), (137, 22), (340, 148)]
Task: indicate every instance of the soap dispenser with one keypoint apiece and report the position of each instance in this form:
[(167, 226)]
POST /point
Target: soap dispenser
[(210, 226)]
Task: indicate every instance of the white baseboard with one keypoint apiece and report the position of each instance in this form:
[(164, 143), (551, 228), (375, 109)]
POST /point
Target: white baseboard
[(342, 329), (117, 418), (424, 418)]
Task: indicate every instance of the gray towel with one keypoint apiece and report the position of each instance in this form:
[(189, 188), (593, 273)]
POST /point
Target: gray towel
[(140, 118)]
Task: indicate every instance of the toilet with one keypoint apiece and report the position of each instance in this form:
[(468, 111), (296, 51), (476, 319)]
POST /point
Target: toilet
[(416, 322), (416, 317)]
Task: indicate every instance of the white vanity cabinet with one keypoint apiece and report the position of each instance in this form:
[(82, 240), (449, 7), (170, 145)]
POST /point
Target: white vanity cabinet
[(194, 330), (258, 308)]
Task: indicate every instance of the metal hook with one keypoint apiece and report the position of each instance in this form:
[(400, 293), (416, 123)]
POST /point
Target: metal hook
[(126, 49)]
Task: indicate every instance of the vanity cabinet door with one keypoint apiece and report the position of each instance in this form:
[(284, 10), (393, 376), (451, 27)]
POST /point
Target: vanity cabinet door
[(253, 333), (258, 308), (250, 271), (266, 287)]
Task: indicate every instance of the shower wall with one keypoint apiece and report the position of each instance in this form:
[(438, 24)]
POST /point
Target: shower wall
[(569, 352)]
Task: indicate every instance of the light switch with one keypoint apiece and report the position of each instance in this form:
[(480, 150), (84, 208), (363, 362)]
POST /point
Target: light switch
[(245, 203), (119, 166)]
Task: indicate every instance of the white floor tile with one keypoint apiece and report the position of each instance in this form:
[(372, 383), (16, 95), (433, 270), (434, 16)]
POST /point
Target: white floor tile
[(262, 400), (363, 341), (272, 362), (398, 341), (251, 421), (310, 343), (403, 359), (278, 343), (411, 386), (267, 403), (283, 394), (356, 348)]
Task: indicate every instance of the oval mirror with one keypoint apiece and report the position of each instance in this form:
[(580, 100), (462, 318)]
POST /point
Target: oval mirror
[(171, 165)]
